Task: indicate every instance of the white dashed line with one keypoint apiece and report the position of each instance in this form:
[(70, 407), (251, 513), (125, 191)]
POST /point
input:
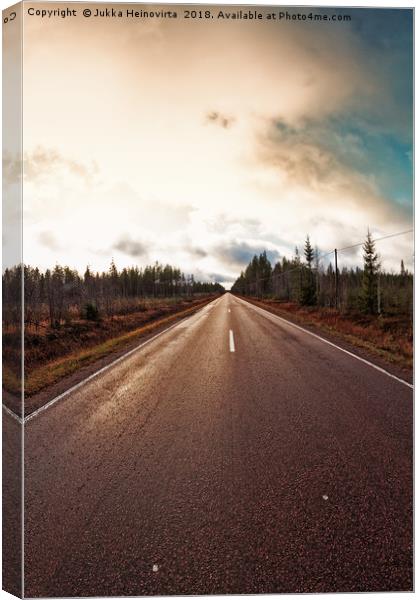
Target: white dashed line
[(231, 341)]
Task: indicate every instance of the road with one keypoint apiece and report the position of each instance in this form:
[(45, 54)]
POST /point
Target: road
[(233, 454)]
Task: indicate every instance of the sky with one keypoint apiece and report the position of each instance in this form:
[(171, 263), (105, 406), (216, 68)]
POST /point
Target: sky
[(202, 142)]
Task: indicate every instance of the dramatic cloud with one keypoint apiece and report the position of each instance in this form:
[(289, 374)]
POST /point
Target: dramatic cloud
[(324, 154), (264, 133)]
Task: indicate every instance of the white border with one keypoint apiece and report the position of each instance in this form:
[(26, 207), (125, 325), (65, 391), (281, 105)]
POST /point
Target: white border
[(339, 3)]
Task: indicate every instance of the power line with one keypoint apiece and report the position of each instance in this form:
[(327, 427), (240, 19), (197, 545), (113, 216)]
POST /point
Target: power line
[(385, 237)]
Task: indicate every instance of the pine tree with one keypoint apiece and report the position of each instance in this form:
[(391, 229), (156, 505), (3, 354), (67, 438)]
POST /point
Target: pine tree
[(264, 273), (308, 292), (254, 274), (369, 293), (309, 252)]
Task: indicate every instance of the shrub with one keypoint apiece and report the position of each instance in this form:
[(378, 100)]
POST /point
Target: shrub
[(91, 312)]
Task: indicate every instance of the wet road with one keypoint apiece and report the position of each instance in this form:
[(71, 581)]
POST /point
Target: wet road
[(233, 454)]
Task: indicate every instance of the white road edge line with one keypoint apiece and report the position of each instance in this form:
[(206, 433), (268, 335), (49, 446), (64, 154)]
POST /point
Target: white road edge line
[(318, 337), (231, 341), (12, 414), (96, 373)]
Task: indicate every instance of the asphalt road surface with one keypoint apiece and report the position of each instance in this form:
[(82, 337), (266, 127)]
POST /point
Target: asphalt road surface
[(233, 454)]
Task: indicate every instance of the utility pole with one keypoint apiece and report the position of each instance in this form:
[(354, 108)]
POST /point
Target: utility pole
[(336, 279), (379, 292), (300, 283)]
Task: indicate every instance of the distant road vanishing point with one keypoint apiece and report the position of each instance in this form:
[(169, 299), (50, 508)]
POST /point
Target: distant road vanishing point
[(234, 453)]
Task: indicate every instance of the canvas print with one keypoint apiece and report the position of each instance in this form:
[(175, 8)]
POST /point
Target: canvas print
[(207, 299)]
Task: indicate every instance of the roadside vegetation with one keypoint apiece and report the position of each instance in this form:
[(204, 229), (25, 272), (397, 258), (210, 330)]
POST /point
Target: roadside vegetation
[(365, 306)]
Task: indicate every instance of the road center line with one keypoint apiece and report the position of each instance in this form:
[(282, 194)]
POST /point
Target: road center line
[(231, 341), (267, 314)]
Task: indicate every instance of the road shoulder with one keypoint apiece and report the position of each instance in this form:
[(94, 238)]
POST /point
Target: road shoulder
[(363, 353)]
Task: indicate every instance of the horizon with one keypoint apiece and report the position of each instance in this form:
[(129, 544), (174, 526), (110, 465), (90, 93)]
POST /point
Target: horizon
[(227, 287)]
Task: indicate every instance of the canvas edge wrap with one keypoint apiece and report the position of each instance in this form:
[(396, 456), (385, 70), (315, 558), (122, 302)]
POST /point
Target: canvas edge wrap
[(12, 428)]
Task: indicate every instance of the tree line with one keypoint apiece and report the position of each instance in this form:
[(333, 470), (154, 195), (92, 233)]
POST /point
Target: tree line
[(304, 280), (61, 294)]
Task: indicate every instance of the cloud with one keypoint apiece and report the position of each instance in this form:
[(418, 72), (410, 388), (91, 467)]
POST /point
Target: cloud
[(131, 247), (233, 226), (328, 165), (196, 252), (295, 153), (48, 162), (49, 240), (320, 152), (312, 154), (239, 254), (217, 118), (212, 276), (222, 277)]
